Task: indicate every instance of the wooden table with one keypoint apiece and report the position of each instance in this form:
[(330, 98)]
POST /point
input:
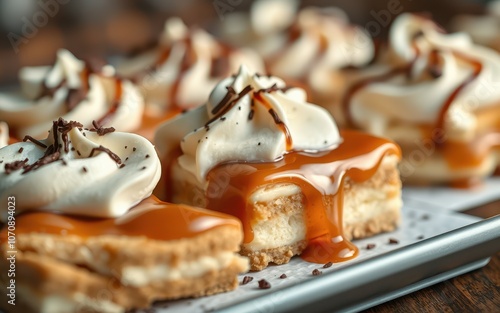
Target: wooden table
[(477, 291)]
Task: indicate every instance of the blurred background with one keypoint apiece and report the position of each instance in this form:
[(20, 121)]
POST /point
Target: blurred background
[(31, 31)]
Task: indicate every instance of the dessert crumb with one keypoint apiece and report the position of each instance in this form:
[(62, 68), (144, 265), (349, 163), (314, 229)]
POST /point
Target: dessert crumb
[(316, 272), (264, 284), (246, 280)]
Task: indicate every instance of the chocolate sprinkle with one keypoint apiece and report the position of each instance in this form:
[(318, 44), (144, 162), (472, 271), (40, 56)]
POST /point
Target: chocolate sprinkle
[(111, 154), (20, 150), (122, 165), (14, 166), (33, 140), (223, 118), (134, 149), (227, 98), (246, 280), (147, 156), (420, 237), (393, 241), (327, 265), (316, 272), (283, 276), (43, 161), (101, 131), (370, 246), (264, 284), (250, 114), (84, 169), (143, 168)]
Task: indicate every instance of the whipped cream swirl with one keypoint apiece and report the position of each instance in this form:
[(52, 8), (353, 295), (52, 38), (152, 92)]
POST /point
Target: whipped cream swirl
[(184, 67), (422, 71), (4, 134), (249, 118), (73, 90), (315, 43), (96, 172)]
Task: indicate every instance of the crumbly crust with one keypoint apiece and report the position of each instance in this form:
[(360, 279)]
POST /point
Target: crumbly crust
[(41, 277), (80, 270)]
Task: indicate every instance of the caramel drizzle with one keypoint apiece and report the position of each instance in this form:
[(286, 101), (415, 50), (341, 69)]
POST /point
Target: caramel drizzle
[(358, 158), (150, 218), (115, 105), (477, 68), (220, 66)]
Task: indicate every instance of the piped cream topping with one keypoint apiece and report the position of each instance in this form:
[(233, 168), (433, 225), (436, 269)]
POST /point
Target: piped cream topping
[(73, 90), (248, 117), (96, 172), (184, 59), (422, 70)]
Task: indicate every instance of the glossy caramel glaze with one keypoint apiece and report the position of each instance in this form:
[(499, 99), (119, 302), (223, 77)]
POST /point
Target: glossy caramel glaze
[(150, 218), (319, 175)]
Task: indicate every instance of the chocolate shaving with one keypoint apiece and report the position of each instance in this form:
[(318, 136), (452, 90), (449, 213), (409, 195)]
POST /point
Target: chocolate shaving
[(14, 166), (111, 154), (327, 265), (43, 161), (20, 150), (230, 93), (251, 114), (316, 272), (420, 237), (224, 108), (370, 246), (101, 131), (393, 241), (273, 88), (246, 280), (84, 169), (264, 284), (147, 156), (133, 149), (33, 140), (283, 276)]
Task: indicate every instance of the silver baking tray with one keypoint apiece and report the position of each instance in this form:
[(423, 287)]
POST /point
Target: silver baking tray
[(435, 243)]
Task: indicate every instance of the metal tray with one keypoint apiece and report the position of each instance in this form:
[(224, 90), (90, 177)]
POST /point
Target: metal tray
[(434, 244)]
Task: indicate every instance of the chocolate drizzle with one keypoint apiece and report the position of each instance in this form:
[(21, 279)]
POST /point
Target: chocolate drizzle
[(111, 154), (101, 131), (33, 140), (14, 166)]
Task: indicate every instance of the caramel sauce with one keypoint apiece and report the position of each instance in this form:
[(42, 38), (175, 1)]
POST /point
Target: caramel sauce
[(282, 126), (321, 178), (151, 218), (115, 103)]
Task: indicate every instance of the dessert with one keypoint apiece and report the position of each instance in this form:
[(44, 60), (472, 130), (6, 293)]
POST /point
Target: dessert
[(4, 134), (436, 95), (74, 90), (257, 150), (179, 72), (311, 48), (89, 237)]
